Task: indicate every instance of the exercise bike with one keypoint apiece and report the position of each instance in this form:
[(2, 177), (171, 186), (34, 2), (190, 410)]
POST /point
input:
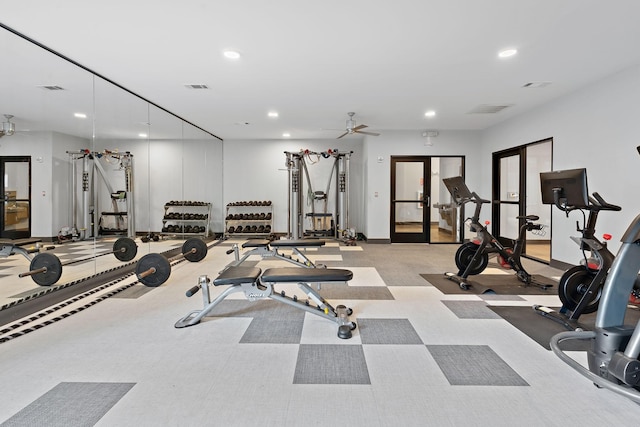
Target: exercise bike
[(473, 257), (580, 287), (613, 358)]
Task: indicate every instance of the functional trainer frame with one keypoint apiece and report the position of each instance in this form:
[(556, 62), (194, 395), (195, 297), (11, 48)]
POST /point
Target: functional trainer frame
[(91, 163), (339, 212)]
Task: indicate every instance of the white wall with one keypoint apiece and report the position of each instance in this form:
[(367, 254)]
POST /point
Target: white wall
[(596, 128), (256, 170), (409, 143)]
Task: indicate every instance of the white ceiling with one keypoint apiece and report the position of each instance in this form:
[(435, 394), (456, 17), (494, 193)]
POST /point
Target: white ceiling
[(313, 62)]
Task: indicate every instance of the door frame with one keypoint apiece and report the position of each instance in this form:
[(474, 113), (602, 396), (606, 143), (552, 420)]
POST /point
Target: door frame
[(427, 198), (410, 237), (522, 190), (15, 234)]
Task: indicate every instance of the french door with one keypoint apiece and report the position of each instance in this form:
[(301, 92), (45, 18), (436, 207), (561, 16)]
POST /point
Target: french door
[(516, 192), (15, 217), (421, 208)]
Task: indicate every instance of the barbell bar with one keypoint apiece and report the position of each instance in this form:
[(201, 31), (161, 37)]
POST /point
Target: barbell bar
[(45, 268), (154, 269)]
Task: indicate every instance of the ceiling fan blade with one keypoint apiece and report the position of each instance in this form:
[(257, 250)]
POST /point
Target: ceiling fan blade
[(359, 127), (367, 133), (346, 133)]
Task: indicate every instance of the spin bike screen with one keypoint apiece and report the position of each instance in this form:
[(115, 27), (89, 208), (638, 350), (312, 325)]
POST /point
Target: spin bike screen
[(458, 189), (571, 185)]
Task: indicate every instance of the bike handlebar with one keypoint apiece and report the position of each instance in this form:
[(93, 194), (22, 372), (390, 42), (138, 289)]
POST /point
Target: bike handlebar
[(474, 198), (598, 202)]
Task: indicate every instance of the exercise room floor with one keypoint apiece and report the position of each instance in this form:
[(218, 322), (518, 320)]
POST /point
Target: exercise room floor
[(418, 357)]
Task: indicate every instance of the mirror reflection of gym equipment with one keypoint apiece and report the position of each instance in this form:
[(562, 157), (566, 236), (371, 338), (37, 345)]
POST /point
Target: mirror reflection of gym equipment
[(86, 111), (82, 218)]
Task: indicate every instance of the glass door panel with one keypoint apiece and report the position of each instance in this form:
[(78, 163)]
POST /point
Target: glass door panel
[(508, 198), (410, 189), (538, 160), (445, 215)]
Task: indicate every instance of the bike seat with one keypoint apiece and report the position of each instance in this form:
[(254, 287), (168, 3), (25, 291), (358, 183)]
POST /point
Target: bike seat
[(529, 217)]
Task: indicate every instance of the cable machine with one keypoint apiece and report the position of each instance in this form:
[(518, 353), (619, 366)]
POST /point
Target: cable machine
[(324, 218), (82, 215)]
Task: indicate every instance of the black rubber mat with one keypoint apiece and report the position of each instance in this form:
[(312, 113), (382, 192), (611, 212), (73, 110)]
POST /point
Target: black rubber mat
[(503, 284), (541, 329)]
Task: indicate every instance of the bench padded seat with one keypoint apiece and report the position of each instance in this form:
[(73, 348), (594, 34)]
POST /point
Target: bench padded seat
[(237, 276), (298, 243), (310, 275), (256, 243)]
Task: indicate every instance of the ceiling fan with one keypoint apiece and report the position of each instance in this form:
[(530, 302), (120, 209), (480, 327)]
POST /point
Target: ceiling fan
[(352, 128)]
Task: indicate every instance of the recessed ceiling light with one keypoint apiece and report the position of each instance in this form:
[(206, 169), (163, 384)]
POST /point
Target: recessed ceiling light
[(80, 115), (286, 135), (142, 135), (231, 54), (507, 53), (272, 114), (430, 113)]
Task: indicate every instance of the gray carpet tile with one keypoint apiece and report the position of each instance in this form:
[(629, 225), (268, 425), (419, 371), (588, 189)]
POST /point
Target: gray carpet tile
[(496, 297), (71, 404), (339, 291), (400, 276), (265, 330), (471, 309), (387, 331), (331, 364), (475, 365), (269, 309)]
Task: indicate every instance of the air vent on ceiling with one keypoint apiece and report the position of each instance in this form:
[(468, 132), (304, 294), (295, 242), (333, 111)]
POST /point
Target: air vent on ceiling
[(51, 87), (535, 85), (197, 86), (488, 109)]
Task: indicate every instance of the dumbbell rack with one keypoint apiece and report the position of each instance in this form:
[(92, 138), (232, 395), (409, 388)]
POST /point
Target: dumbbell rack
[(255, 218), (186, 215)]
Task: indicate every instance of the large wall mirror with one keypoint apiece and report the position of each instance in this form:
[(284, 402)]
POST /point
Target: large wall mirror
[(88, 162)]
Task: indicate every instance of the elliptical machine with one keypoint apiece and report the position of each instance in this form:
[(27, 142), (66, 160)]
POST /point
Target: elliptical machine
[(473, 257), (615, 347), (580, 287)]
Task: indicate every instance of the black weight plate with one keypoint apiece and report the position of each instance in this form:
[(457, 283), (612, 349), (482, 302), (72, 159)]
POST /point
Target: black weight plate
[(53, 266), (129, 246), (200, 247), (162, 273)]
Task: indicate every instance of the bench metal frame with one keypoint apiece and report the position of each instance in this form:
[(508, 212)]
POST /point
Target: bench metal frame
[(258, 287)]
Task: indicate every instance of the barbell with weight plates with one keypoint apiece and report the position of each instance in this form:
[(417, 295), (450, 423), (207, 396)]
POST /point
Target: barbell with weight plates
[(154, 269), (45, 268)]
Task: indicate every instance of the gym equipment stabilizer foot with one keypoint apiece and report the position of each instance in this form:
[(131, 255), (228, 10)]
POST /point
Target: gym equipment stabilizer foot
[(344, 332)]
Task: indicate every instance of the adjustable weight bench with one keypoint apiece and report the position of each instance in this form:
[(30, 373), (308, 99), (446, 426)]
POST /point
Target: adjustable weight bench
[(267, 248), (10, 247), (256, 287)]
